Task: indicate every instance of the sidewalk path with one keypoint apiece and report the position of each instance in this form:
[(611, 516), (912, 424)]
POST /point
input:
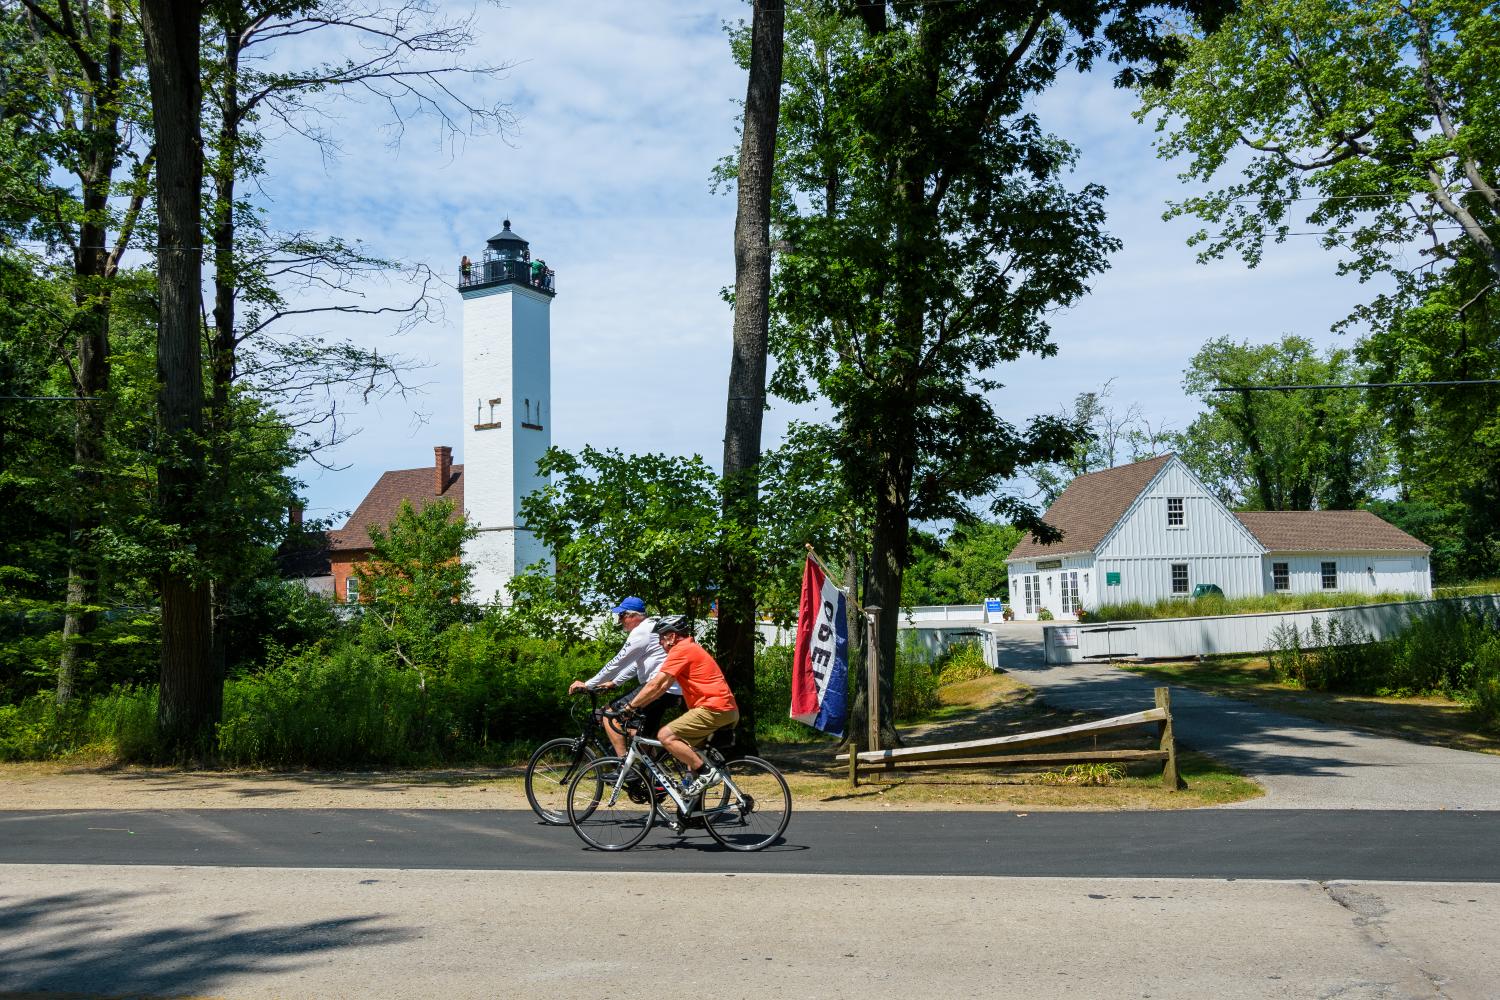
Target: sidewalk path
[(1303, 764)]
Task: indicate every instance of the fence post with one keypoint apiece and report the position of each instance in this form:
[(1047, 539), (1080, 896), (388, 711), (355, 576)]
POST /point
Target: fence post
[(1169, 776), (872, 679)]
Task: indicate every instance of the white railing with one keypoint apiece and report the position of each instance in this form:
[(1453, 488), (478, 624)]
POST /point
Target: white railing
[(927, 613), (1177, 638)]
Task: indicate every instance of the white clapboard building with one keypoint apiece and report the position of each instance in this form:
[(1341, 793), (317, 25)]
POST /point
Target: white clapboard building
[(1150, 531)]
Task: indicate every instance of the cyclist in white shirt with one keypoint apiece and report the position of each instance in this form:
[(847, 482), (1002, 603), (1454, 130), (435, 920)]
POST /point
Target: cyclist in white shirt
[(638, 659)]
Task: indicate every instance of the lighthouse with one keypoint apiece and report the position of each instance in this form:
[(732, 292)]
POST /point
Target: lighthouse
[(507, 400)]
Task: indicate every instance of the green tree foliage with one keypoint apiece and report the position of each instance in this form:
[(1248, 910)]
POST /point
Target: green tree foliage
[(1379, 125), (965, 567), (415, 586), (1304, 450), (72, 115), (618, 525), (650, 526), (1385, 116), (928, 234), (1446, 439)]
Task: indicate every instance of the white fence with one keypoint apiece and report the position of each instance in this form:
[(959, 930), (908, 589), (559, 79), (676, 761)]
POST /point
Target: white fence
[(929, 614), (1177, 638)]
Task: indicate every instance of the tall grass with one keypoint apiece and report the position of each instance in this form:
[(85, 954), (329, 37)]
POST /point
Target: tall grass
[(121, 723), (490, 697), (1490, 586), (1449, 650), (1211, 605)]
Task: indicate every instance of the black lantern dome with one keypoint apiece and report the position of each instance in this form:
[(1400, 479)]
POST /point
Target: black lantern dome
[(509, 245), (506, 261)]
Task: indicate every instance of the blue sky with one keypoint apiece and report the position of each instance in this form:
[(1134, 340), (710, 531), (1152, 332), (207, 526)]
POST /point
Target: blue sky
[(622, 111)]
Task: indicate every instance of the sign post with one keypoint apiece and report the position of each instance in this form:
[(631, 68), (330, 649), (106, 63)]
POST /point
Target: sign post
[(872, 678)]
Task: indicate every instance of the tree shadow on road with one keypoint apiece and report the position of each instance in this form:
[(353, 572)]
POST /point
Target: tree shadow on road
[(69, 942)]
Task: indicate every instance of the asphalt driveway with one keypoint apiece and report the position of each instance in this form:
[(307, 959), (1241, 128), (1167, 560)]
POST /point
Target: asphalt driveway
[(1303, 764)]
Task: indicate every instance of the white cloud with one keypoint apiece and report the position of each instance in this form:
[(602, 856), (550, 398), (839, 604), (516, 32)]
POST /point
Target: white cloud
[(625, 109)]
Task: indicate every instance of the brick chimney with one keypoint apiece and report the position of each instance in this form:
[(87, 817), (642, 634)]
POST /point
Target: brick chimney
[(294, 515), (442, 468)]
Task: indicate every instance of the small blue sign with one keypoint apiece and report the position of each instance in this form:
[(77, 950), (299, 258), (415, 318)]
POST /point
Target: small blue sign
[(993, 606)]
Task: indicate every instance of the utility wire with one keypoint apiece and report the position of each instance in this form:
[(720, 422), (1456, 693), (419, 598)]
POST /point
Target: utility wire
[(1355, 385)]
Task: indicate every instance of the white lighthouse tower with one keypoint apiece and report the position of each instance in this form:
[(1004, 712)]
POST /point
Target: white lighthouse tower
[(507, 399)]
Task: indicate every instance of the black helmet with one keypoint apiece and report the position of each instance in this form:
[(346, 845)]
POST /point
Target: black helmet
[(676, 624)]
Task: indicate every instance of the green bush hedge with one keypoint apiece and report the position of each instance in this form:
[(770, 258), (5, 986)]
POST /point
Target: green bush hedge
[(1449, 650)]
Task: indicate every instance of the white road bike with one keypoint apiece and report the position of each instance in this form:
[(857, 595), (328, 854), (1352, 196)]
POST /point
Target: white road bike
[(614, 801)]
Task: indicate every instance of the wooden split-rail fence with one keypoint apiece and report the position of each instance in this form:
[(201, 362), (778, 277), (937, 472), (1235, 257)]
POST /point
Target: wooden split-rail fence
[(1011, 751)]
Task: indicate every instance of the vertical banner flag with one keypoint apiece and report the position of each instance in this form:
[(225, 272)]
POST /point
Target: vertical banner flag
[(820, 663)]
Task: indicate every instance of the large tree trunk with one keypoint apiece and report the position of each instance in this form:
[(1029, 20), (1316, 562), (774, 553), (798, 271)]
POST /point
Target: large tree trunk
[(888, 557), (191, 690), (747, 369), (91, 295), (223, 343), (93, 275)]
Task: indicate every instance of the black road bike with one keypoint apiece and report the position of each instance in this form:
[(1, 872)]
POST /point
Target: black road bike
[(553, 765)]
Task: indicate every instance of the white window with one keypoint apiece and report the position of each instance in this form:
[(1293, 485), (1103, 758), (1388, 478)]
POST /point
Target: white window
[(1175, 517), (1330, 576), (1031, 588), (1179, 578), (1280, 578), (351, 589), (1068, 583)]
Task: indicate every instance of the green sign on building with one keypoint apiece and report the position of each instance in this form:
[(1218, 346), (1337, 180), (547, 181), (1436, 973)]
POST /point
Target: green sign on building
[(1111, 579)]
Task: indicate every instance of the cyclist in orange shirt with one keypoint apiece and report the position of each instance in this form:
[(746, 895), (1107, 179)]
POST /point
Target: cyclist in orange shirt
[(710, 703)]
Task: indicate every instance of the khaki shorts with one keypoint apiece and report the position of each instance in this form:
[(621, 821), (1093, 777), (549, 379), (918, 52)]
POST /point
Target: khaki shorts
[(696, 725)]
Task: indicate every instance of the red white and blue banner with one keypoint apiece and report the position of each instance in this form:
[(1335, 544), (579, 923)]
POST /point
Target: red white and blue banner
[(820, 663)]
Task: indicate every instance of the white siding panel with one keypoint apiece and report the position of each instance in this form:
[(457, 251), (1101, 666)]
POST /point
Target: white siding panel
[(1208, 528), (1358, 573), (1149, 579)]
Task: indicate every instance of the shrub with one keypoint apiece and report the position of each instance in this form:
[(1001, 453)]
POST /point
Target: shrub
[(1044, 615), (120, 722), (916, 680), (1484, 693), (1449, 649), (963, 661)]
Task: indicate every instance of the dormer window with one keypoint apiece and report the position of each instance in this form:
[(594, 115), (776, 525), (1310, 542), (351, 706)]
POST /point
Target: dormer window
[(1175, 516)]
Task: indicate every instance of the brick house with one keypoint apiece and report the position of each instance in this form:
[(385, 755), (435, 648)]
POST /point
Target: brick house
[(351, 544)]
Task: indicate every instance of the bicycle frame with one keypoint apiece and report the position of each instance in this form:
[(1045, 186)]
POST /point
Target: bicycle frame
[(668, 784)]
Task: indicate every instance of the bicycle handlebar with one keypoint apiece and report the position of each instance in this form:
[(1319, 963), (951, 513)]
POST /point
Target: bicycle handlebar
[(628, 717)]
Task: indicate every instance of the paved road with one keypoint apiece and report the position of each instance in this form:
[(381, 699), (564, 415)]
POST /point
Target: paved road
[(1309, 844), (1302, 764), (261, 933)]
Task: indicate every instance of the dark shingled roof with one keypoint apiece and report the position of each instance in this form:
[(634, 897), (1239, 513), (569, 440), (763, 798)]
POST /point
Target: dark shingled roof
[(380, 505), (1327, 531), (1089, 507)]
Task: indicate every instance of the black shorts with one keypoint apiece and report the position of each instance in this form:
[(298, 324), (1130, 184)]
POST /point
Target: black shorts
[(652, 713)]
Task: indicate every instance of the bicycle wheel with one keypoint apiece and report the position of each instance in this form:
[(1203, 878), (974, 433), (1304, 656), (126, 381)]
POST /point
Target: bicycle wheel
[(760, 806), (549, 772), (602, 810)]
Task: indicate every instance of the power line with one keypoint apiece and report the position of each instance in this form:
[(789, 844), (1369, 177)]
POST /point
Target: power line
[(1355, 385)]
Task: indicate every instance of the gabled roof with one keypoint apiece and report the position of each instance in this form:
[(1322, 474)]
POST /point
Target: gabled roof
[(1089, 508), (380, 505), (1328, 531)]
